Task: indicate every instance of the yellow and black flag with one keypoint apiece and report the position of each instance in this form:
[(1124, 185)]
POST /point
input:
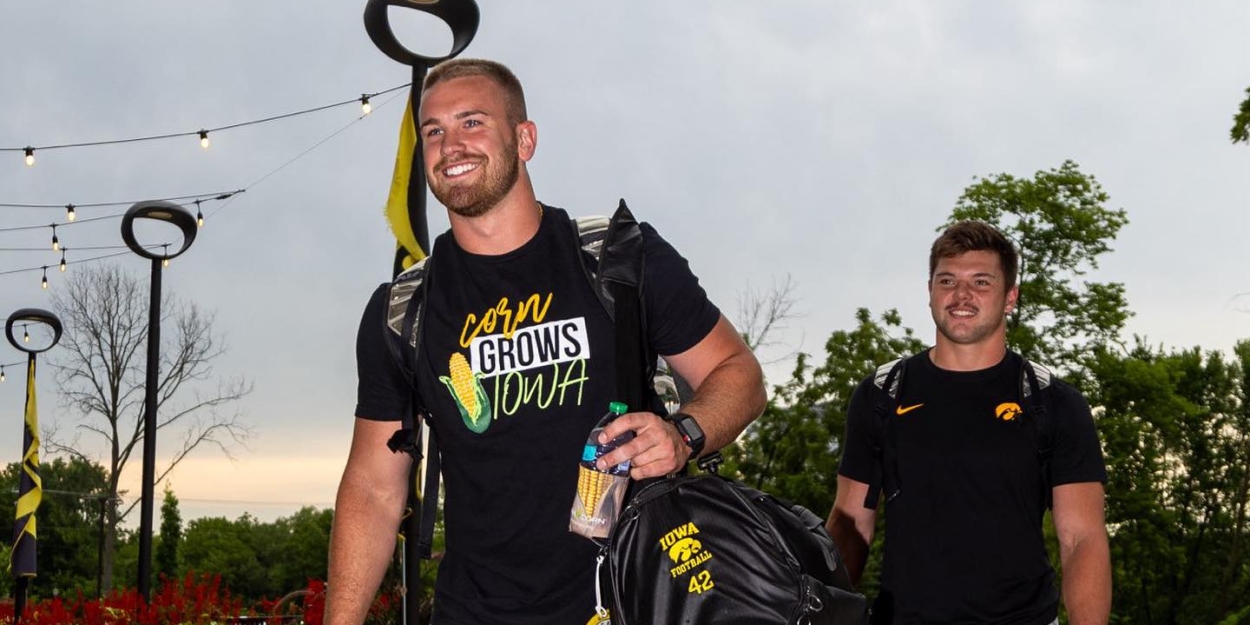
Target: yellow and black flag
[(405, 205), (30, 489)]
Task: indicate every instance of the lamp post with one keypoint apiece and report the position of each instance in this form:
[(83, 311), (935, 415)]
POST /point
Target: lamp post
[(175, 215), (22, 563), (462, 17)]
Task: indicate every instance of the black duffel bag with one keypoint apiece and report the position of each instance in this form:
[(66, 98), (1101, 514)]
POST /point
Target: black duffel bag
[(708, 550)]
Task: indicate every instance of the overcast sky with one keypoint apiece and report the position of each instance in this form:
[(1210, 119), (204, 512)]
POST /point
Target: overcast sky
[(821, 140)]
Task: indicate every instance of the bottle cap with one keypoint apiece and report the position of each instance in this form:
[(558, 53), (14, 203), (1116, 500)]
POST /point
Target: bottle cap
[(618, 407)]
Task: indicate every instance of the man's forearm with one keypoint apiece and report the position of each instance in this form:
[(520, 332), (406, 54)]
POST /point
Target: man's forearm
[(361, 546), (1087, 582), (850, 543)]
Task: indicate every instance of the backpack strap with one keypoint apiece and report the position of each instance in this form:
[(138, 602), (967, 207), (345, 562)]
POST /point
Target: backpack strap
[(888, 381), (405, 309), (1035, 384), (615, 247)]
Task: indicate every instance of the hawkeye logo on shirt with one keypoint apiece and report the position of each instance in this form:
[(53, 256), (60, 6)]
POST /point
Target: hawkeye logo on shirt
[(1008, 411)]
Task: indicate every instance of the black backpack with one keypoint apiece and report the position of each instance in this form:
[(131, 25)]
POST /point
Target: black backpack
[(706, 549), (1036, 384)]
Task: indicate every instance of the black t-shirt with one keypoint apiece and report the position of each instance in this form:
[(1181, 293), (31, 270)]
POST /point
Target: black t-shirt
[(517, 364), (963, 538)]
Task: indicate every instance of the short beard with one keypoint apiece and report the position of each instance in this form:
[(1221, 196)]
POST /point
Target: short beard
[(477, 200)]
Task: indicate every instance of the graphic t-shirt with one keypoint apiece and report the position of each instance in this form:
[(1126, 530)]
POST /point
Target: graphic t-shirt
[(516, 366), (963, 537)]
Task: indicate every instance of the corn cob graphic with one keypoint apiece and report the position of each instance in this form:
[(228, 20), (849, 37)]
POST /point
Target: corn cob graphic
[(591, 485), (466, 389)]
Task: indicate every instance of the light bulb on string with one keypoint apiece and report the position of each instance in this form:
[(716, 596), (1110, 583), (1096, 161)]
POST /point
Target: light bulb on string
[(365, 107), (1, 373), (165, 261), (30, 156), (204, 142), (25, 335), (69, 213), (44, 284), (56, 243), (62, 261), (199, 215)]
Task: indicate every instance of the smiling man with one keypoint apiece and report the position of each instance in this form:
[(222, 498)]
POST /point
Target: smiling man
[(968, 443), (515, 365)]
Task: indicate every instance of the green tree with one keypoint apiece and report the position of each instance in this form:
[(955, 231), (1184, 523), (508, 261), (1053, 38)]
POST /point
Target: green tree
[(304, 548), (218, 545), (170, 536), (794, 448), (68, 517), (101, 372), (1240, 132), (1062, 226), (1176, 434)]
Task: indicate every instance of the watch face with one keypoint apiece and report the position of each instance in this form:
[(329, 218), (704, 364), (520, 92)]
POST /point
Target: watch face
[(690, 430)]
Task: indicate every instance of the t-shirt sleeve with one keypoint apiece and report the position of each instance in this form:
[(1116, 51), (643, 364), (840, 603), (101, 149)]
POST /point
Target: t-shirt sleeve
[(858, 462), (1077, 455), (382, 391), (679, 313)]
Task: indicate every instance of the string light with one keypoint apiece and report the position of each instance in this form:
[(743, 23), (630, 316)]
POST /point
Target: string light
[(56, 243), (199, 215), (45, 279), (70, 215), (165, 261), (62, 261), (362, 101), (25, 335), (1, 373)]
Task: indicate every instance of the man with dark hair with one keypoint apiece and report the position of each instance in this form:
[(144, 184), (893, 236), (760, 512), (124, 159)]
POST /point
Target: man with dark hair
[(511, 433), (958, 459)]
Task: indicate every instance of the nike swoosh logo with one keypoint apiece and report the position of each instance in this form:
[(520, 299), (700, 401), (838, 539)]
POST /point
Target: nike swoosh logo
[(902, 411)]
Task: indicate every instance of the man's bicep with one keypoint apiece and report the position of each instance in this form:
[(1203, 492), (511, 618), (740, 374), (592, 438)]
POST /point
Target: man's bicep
[(371, 464), (1078, 511), (722, 344)]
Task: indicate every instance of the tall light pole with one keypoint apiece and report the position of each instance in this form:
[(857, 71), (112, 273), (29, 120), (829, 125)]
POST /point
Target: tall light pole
[(22, 561), (462, 17), (159, 211)]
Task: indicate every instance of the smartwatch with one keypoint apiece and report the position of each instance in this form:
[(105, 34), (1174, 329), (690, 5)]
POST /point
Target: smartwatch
[(690, 432)]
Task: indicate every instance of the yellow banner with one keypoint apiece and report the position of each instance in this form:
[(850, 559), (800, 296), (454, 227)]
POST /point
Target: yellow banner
[(397, 201)]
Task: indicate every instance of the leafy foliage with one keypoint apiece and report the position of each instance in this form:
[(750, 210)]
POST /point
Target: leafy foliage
[(1060, 222), (259, 559), (1176, 432), (68, 518), (1240, 132), (170, 535)]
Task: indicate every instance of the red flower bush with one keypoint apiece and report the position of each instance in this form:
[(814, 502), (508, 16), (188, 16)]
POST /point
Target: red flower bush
[(195, 600)]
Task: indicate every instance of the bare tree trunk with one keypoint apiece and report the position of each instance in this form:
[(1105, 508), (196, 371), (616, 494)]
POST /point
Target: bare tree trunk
[(110, 544)]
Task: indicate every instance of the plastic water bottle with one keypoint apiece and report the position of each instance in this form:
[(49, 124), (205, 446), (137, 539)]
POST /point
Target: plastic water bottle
[(600, 493)]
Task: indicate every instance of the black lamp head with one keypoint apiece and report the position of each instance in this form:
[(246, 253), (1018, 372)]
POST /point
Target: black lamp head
[(33, 315), (462, 16), (159, 210)]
